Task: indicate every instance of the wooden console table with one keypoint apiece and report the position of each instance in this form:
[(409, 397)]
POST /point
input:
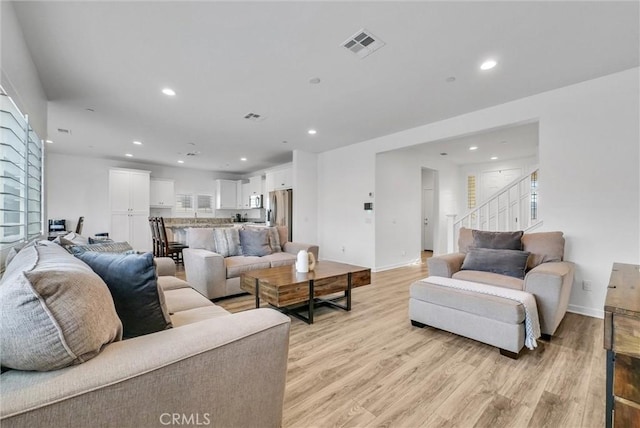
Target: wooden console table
[(622, 342)]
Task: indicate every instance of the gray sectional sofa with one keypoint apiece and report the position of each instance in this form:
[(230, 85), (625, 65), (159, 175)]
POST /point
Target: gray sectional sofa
[(211, 368), (215, 260)]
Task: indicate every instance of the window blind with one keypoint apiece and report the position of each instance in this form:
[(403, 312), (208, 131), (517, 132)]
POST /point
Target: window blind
[(20, 177)]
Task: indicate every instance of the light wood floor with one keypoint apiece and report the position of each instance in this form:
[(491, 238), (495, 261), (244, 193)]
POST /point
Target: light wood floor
[(370, 367)]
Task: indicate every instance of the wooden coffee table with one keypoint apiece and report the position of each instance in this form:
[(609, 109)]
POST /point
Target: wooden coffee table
[(292, 292)]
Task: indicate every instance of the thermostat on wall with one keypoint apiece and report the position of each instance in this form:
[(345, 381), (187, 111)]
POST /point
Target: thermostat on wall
[(368, 206)]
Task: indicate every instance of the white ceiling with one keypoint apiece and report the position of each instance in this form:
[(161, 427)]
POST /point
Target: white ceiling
[(226, 59), (508, 143)]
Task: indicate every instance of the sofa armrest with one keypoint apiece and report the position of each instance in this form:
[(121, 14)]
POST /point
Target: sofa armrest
[(551, 284), (445, 265), (295, 247), (229, 370), (165, 266), (205, 272)]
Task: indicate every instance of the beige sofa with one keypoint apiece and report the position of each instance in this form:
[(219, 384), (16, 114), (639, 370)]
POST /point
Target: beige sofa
[(215, 276), (212, 368), (489, 319)]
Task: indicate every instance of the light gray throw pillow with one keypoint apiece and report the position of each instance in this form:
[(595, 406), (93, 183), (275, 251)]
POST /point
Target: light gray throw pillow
[(201, 237), (54, 311), (255, 242), (227, 241)]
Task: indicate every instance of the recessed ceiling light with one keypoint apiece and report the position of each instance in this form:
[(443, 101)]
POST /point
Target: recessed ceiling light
[(243, 159), (168, 91), (137, 143), (312, 132), (49, 141), (129, 155), (488, 64), (444, 154), (285, 142), (494, 157), (180, 161), (473, 148), (315, 80)]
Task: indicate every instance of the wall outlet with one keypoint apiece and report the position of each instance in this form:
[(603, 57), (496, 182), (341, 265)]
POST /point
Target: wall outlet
[(586, 285)]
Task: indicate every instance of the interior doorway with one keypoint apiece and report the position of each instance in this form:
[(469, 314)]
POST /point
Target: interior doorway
[(429, 211)]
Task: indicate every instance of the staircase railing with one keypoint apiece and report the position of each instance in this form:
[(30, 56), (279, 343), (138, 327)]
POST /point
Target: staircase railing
[(514, 207)]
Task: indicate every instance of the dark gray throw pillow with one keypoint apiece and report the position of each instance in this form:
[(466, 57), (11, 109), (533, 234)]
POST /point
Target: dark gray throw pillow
[(133, 283), (505, 262), (255, 242), (498, 240)]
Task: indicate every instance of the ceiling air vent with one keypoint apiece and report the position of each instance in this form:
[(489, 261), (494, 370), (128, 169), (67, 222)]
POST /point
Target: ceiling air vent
[(363, 43), (254, 117), (64, 131), (196, 153)]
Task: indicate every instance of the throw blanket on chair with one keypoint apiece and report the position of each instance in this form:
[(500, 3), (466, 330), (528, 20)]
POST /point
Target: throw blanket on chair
[(528, 301)]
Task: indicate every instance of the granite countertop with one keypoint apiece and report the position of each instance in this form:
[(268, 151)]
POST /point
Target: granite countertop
[(186, 222)]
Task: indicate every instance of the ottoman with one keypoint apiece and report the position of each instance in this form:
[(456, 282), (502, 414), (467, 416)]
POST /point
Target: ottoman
[(493, 320)]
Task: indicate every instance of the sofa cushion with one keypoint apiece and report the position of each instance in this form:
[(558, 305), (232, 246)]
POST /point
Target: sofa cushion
[(544, 247), (505, 262), (283, 234), (171, 283), (497, 240), (237, 265), (182, 299), (255, 242), (484, 305), (132, 280), (280, 259), (55, 311), (490, 278), (201, 237), (227, 241), (103, 247), (190, 316)]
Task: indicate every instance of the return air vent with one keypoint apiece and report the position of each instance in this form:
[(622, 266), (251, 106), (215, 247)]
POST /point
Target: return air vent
[(254, 117), (363, 43), (64, 131)]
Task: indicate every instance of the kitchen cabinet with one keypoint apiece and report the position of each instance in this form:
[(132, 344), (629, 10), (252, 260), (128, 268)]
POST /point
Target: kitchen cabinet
[(226, 194), (279, 179), (129, 201), (255, 185), (246, 192), (162, 193)]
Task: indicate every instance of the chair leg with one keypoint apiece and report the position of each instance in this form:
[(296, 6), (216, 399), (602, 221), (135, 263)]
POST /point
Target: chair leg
[(512, 355)]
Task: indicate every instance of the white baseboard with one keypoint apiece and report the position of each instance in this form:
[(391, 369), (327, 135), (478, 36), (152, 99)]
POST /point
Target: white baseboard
[(583, 310), (398, 265)]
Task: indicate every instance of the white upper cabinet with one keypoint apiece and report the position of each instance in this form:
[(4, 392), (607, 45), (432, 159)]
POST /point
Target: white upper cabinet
[(255, 185), (246, 192), (279, 179), (162, 193), (226, 194)]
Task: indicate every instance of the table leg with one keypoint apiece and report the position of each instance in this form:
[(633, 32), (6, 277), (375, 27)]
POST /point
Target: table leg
[(348, 292), (257, 293), (609, 390), (311, 301)]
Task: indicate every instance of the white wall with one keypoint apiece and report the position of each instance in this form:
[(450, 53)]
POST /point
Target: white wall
[(19, 76), (305, 196), (399, 205), (79, 186), (589, 177)]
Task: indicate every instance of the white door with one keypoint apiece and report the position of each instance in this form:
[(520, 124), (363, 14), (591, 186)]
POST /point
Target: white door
[(427, 220), (140, 234), (119, 193)]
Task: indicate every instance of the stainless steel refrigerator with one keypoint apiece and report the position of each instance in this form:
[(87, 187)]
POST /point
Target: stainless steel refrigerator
[(281, 209)]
